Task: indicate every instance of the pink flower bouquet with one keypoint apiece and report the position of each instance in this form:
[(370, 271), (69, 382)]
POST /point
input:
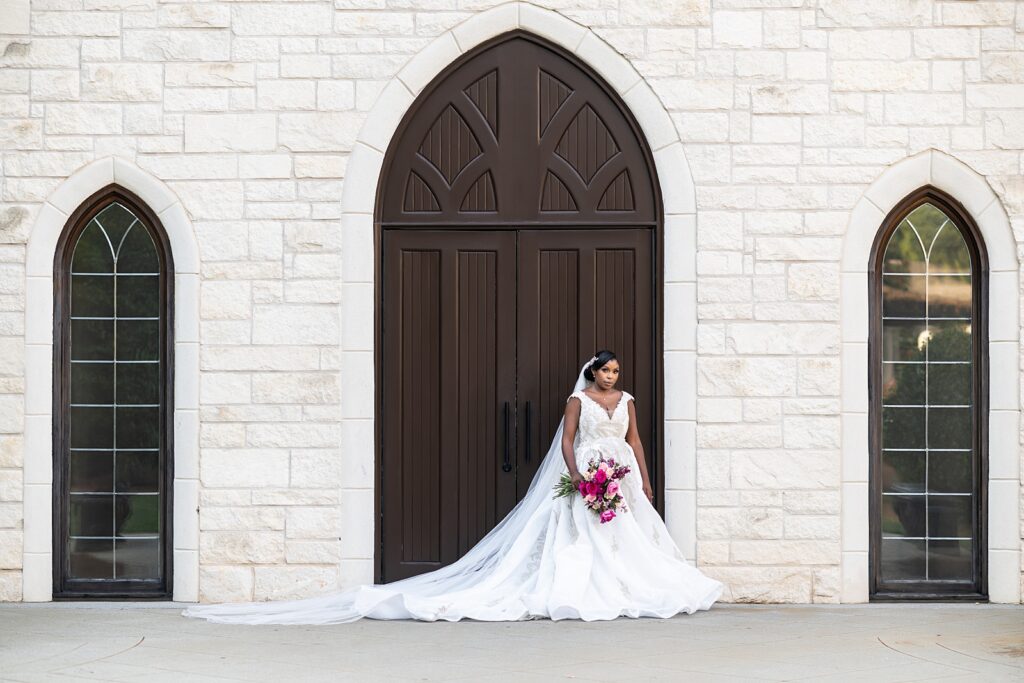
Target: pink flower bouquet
[(600, 488)]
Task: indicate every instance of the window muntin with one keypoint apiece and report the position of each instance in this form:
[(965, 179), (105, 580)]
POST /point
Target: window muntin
[(928, 412), (114, 508)]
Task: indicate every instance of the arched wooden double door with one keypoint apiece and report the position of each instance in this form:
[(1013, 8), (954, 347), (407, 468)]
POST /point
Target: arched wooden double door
[(519, 232)]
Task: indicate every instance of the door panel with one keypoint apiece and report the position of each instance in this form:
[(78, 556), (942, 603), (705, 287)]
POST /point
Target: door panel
[(580, 291), (448, 371)]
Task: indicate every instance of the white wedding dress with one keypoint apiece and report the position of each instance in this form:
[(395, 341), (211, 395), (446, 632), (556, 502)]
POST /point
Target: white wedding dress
[(549, 558)]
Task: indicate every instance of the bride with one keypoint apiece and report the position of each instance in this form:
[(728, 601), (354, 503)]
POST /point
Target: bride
[(550, 557)]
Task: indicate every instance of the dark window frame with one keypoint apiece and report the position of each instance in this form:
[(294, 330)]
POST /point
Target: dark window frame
[(931, 590), (63, 587)]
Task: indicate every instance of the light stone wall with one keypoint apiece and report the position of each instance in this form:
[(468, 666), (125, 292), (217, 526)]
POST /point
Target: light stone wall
[(788, 110)]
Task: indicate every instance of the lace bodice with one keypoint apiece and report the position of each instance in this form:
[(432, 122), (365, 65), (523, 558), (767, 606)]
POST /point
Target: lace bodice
[(596, 423)]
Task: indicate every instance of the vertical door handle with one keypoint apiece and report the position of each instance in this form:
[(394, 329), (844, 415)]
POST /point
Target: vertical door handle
[(507, 464), (529, 437)]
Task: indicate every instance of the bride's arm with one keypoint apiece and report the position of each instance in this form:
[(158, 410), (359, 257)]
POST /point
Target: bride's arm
[(572, 422), (633, 439)]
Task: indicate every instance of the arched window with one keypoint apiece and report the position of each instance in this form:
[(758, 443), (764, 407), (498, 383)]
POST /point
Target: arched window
[(112, 436), (928, 401)]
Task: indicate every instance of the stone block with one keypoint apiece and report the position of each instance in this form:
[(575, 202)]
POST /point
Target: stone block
[(82, 118), (812, 527), (818, 281), (947, 43), (658, 13), (764, 584), (881, 44), (259, 359), (310, 19), (194, 15), (171, 45), (286, 94), (1005, 129), (313, 522), (318, 468), (877, 76), (55, 85), (221, 388), (785, 552), (782, 29), (874, 13), (319, 132), (784, 470), (739, 436), (225, 300), (230, 132), (776, 129), (305, 387), (214, 74), (739, 523), (124, 82), (783, 338), (244, 467), (295, 324), (811, 502), (746, 377), (798, 249), (813, 431), (225, 584), (819, 376), (736, 29), (212, 518), (10, 586), (241, 547), (294, 435), (12, 413), (10, 548), (918, 109), (67, 23), (789, 98), (312, 552), (287, 583)]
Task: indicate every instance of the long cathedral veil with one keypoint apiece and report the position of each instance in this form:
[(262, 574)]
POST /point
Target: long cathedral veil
[(476, 569)]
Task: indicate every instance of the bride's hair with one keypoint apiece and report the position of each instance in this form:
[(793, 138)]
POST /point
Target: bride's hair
[(601, 359)]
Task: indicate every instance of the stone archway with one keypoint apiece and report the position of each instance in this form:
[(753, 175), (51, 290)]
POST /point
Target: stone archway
[(357, 311), (939, 170), (39, 287)]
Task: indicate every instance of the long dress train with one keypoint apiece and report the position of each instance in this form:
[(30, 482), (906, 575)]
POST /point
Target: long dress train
[(549, 558)]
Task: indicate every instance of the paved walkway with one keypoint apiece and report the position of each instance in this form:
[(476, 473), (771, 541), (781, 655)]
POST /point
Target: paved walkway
[(732, 642)]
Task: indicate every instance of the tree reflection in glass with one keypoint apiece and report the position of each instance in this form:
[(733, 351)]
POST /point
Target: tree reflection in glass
[(927, 402)]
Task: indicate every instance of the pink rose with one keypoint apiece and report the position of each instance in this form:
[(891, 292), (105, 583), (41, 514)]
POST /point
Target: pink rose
[(600, 476), (607, 516), (593, 489), (613, 488)]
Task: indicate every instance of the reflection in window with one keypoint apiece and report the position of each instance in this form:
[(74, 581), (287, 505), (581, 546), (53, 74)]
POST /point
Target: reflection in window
[(114, 402), (927, 428)]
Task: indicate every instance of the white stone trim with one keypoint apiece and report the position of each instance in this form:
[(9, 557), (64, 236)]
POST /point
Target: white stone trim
[(358, 196), (970, 189), (38, 472)]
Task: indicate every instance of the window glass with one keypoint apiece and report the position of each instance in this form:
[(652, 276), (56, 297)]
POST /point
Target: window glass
[(114, 463), (927, 412)]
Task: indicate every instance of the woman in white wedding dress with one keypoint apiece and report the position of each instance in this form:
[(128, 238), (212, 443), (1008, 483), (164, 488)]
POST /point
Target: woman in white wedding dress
[(550, 557)]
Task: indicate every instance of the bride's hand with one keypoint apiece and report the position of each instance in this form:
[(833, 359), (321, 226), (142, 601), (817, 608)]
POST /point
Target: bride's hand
[(576, 478), (648, 491)]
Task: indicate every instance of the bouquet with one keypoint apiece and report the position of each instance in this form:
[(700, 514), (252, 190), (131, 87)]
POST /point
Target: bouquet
[(599, 488)]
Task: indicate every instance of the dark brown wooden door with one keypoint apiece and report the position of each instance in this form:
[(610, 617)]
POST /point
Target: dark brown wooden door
[(519, 221), (580, 291), (449, 381), (483, 339)]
